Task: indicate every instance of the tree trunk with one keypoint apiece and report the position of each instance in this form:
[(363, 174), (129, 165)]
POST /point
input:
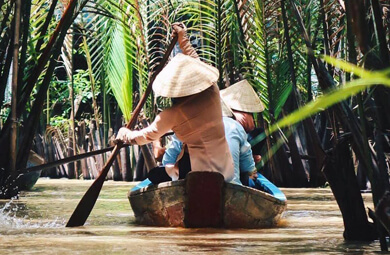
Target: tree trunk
[(32, 120), (115, 171), (59, 154), (301, 169), (282, 163), (126, 174), (71, 166), (316, 151), (340, 174), (96, 145), (73, 173), (140, 174), (83, 147), (11, 189), (48, 150), (278, 168), (7, 46)]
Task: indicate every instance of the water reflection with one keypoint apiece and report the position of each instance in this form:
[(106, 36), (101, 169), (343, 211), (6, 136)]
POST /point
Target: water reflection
[(312, 224)]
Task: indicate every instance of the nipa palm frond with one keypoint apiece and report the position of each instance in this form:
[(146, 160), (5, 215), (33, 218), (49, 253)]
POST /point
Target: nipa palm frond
[(120, 72), (269, 69), (209, 20)]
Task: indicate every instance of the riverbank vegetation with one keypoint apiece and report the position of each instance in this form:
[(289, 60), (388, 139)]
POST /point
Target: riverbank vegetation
[(71, 72)]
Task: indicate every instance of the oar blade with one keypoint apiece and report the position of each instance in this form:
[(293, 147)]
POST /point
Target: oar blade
[(84, 208), (86, 204)]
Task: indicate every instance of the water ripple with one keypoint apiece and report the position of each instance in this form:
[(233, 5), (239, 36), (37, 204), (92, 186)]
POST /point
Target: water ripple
[(9, 220)]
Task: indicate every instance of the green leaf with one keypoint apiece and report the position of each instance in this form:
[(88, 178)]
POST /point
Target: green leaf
[(351, 68), (324, 102), (120, 72)]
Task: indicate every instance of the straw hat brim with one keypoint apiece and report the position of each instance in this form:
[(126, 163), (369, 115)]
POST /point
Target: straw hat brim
[(242, 97), (184, 76)]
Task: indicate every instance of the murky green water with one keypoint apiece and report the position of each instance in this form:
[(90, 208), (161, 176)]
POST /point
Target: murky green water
[(35, 224)]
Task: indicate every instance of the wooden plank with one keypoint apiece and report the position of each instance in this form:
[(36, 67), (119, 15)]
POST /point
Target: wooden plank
[(204, 204)]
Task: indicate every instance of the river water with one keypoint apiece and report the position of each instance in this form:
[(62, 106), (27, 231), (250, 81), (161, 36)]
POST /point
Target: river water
[(35, 224)]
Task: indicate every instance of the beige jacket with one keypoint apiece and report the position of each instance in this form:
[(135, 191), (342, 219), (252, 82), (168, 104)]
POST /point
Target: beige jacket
[(197, 122)]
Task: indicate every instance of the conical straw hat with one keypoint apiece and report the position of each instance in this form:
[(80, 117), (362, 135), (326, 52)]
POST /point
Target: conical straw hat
[(242, 97), (184, 76), (226, 111)]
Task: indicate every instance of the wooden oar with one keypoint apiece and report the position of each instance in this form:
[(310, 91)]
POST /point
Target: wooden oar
[(87, 202), (65, 160), (72, 158)]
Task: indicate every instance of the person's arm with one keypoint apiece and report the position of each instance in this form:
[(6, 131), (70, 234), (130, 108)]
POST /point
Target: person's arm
[(172, 152), (161, 125), (247, 164), (180, 30), (158, 150)]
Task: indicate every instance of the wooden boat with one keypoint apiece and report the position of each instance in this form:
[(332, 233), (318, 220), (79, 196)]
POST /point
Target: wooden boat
[(27, 181), (203, 199)]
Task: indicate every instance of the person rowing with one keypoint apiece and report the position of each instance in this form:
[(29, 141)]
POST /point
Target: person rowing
[(195, 116)]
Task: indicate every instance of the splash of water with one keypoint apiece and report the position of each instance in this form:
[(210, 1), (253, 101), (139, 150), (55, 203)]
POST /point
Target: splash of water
[(9, 219)]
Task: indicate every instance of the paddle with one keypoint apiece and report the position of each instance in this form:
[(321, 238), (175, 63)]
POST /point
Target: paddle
[(87, 202), (72, 158), (65, 160)]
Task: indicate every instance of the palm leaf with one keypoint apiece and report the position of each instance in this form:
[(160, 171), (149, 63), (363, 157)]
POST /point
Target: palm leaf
[(326, 101), (367, 80), (120, 71), (115, 49), (268, 72)]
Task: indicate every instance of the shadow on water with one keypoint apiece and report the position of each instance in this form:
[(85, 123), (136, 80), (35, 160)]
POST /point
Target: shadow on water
[(312, 224)]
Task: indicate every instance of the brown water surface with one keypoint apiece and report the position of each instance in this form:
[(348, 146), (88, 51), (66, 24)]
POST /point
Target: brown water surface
[(35, 224)]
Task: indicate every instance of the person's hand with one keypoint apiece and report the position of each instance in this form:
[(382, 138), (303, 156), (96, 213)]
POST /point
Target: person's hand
[(257, 158), (179, 30), (158, 150), (253, 175), (124, 135)]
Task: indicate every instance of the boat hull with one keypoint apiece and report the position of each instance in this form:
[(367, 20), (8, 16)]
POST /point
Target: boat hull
[(160, 205), (178, 204), (245, 207), (27, 181)]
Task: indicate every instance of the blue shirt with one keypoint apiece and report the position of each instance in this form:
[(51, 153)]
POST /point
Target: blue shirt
[(172, 152), (239, 148)]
